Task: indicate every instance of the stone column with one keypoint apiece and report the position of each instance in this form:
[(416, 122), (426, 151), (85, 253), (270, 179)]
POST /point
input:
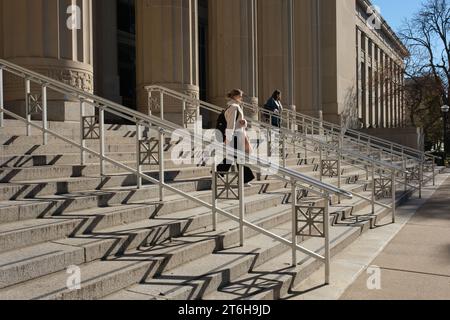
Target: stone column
[(273, 50), (367, 84), (167, 51), (107, 81), (378, 92), (395, 95), (373, 87), (402, 75), (391, 94), (359, 59), (53, 38), (233, 58), (382, 90), (399, 100)]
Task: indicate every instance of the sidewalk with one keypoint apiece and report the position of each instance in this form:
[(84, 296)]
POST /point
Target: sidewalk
[(416, 263), (413, 254)]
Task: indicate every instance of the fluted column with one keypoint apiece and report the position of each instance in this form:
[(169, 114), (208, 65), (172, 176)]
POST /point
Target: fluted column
[(378, 88), (390, 95), (51, 37), (359, 54), (233, 54), (382, 90), (275, 65), (167, 50), (107, 81), (367, 84)]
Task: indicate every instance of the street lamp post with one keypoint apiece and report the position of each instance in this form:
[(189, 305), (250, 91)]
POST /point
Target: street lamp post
[(445, 109)]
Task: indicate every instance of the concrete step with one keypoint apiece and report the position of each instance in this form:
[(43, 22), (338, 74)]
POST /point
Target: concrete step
[(19, 150), (101, 240), (17, 128), (179, 251), (23, 233), (194, 280), (36, 174), (273, 279), (20, 265), (47, 206), (31, 141), (101, 278), (30, 189)]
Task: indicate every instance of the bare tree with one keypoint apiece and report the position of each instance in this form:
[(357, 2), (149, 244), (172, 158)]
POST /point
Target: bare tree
[(427, 36)]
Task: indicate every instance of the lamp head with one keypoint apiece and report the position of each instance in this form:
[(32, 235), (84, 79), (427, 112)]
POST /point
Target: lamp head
[(445, 109)]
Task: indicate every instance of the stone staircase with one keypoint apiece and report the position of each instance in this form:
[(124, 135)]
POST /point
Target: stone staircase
[(55, 214)]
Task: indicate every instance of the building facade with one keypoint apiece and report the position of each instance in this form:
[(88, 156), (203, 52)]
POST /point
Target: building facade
[(324, 55)]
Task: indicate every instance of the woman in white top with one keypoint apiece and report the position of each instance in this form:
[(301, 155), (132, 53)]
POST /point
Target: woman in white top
[(236, 125)]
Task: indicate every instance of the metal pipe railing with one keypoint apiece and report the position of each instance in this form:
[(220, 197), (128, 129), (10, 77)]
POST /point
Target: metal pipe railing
[(164, 127), (309, 131), (315, 124), (322, 146), (374, 142)]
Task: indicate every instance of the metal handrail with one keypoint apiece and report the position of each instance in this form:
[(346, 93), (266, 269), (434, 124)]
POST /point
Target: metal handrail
[(353, 155), (102, 105), (197, 104), (295, 114), (215, 109), (157, 122)]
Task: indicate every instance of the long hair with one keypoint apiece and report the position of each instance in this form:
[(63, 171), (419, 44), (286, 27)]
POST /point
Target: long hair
[(276, 94), (234, 93)]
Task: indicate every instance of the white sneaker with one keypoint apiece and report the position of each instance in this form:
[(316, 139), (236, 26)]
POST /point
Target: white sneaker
[(248, 185)]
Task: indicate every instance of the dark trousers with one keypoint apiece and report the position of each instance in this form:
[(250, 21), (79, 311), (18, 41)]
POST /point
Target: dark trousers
[(225, 167)]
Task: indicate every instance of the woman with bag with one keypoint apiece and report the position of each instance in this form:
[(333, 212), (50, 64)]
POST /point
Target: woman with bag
[(236, 125)]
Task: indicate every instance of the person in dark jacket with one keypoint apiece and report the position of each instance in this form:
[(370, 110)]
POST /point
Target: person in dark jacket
[(274, 105)]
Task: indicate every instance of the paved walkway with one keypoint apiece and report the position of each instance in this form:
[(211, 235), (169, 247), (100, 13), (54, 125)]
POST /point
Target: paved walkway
[(416, 263), (413, 255)]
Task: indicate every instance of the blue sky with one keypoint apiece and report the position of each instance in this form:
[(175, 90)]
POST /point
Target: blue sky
[(395, 11)]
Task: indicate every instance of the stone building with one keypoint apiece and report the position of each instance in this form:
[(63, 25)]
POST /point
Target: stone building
[(324, 55)]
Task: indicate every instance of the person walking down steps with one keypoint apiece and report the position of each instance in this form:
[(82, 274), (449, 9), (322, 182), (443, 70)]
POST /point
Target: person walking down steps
[(235, 131), (274, 105)]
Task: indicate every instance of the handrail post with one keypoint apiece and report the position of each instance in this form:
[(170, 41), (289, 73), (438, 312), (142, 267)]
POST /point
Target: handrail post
[(294, 222), (161, 101), (2, 115), (185, 125), (405, 167), (326, 226), (339, 154), (138, 155), (434, 172), (394, 196), (82, 142), (320, 163), (27, 105), (214, 195), (44, 115), (150, 94), (420, 179), (284, 154), (373, 188), (161, 164), (101, 120), (241, 204)]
